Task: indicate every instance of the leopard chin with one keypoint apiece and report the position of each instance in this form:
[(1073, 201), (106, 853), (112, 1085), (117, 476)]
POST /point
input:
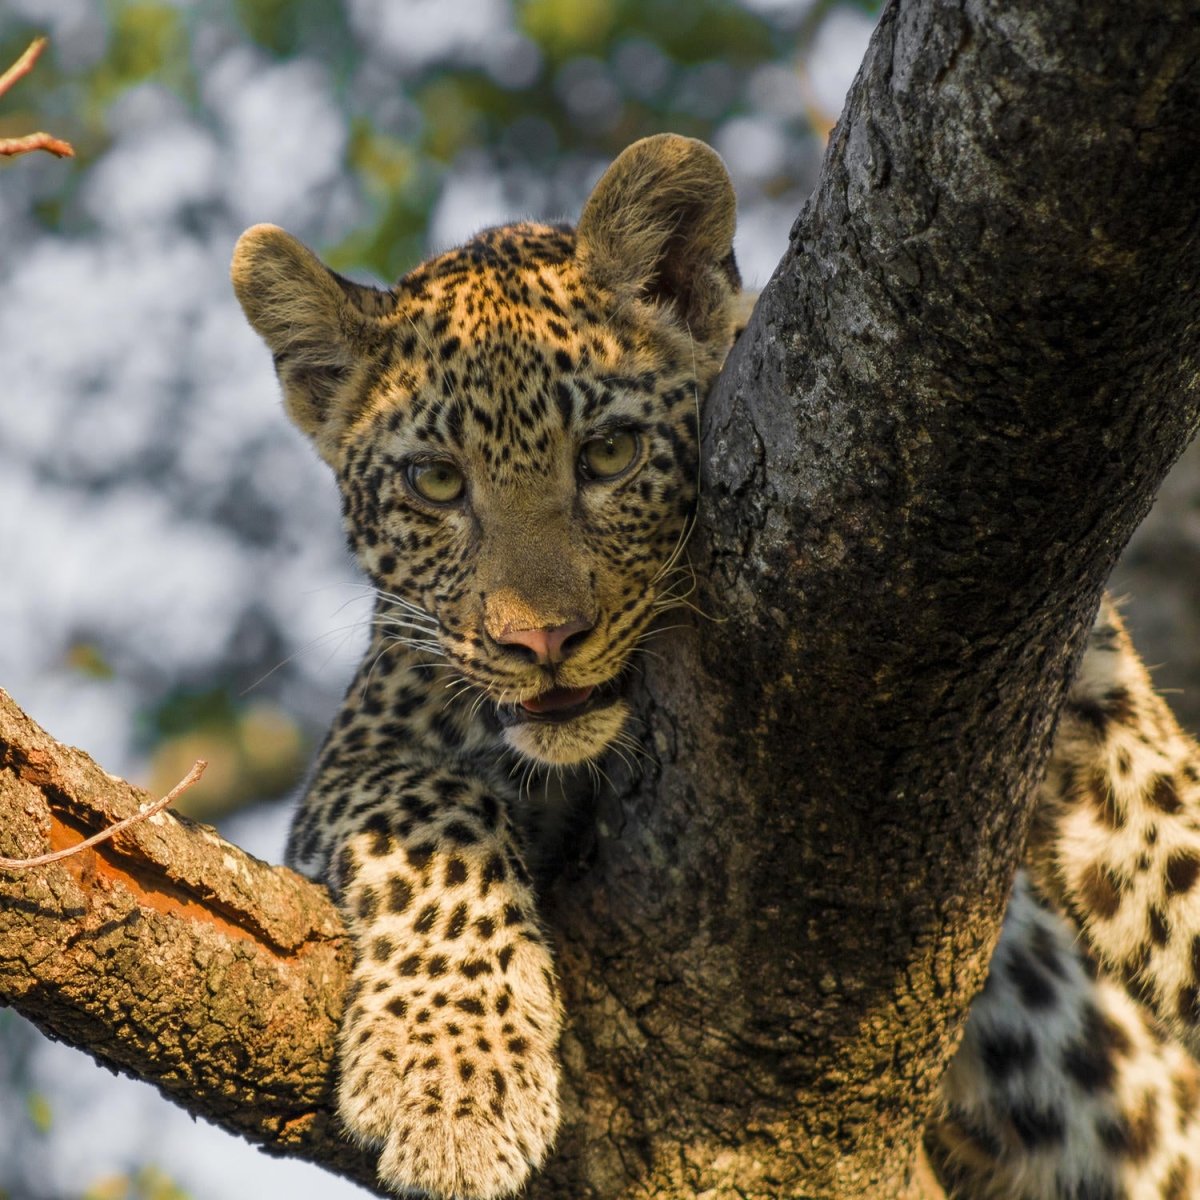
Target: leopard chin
[(568, 743)]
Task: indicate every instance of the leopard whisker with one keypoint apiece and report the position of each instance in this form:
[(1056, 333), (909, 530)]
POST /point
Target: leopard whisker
[(633, 746), (654, 654), (647, 634), (311, 644), (387, 645)]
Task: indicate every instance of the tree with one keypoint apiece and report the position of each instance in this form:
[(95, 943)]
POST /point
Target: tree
[(951, 408)]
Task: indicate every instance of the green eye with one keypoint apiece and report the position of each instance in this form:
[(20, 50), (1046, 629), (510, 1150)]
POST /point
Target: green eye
[(607, 457), (439, 482)]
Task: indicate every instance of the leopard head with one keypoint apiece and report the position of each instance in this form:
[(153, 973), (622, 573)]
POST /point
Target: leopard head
[(513, 426)]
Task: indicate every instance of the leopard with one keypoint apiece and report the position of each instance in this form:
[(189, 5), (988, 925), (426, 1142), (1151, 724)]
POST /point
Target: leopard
[(513, 427)]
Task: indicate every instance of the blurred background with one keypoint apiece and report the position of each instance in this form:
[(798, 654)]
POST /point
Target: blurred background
[(175, 583)]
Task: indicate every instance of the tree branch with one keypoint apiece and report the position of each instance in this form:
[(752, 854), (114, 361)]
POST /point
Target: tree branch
[(144, 813), (9, 147), (170, 954)]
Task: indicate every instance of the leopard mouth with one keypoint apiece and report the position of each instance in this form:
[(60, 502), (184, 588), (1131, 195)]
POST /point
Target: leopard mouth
[(559, 705)]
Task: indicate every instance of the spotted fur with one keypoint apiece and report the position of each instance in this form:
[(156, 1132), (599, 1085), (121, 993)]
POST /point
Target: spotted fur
[(1074, 1081), (506, 616)]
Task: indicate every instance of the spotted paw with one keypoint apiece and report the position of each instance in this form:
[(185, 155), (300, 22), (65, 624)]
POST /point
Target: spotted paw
[(456, 1083)]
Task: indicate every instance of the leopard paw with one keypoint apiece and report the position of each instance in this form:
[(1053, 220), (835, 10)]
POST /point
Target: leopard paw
[(457, 1086)]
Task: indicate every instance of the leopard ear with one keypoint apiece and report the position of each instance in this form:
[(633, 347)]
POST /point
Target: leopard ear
[(660, 224), (318, 325)]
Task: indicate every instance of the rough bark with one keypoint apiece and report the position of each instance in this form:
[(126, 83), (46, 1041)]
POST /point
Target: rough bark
[(169, 953), (951, 409)]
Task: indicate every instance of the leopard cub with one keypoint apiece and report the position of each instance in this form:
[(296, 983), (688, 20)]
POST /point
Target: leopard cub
[(513, 427), (513, 430)]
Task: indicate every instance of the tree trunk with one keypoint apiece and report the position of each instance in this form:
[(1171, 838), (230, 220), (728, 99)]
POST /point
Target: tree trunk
[(950, 410), (954, 404)]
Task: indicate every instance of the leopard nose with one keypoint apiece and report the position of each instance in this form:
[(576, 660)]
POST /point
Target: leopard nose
[(551, 645)]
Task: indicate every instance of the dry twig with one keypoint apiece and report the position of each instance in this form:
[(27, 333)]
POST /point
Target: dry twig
[(18, 864), (30, 141)]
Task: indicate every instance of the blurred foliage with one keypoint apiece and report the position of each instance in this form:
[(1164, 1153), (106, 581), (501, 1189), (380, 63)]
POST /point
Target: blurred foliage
[(289, 27), (576, 78), (253, 749), (40, 1113), (88, 659), (146, 1183), (146, 41)]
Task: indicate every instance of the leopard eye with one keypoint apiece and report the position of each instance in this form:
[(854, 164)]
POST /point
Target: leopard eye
[(608, 456), (438, 481)]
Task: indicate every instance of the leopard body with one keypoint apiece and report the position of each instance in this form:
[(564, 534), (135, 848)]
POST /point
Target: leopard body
[(513, 427)]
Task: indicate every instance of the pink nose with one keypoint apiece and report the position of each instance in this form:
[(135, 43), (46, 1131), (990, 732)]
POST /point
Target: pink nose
[(548, 645)]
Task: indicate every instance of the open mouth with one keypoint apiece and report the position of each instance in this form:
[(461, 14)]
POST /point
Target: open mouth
[(560, 704)]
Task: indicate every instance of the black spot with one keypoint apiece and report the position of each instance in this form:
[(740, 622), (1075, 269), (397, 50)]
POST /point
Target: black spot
[(410, 965), (1090, 713), (1187, 1004), (565, 402), (494, 871), (1186, 1090), (1036, 989), (379, 828), (1182, 869), (419, 856), (1119, 705), (1101, 890), (399, 894), (1164, 796), (1005, 1053), (457, 922), (368, 904), (424, 923), (456, 872), (1158, 926), (1037, 1127), (397, 1006), (461, 834), (1042, 944), (1105, 802), (1133, 1135), (1091, 1061), (1177, 1185)]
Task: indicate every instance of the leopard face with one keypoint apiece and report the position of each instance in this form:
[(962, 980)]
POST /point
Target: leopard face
[(514, 429)]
